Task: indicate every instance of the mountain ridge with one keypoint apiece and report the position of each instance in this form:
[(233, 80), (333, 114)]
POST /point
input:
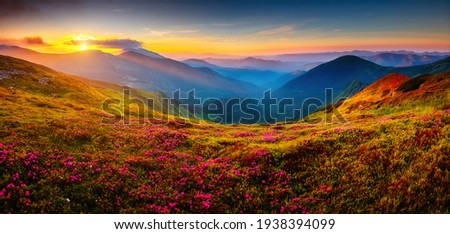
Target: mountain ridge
[(33, 86), (396, 90), (339, 73), (403, 60), (102, 66)]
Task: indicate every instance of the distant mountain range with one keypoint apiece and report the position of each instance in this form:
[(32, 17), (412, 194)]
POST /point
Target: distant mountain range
[(403, 60), (32, 86), (141, 69), (341, 72), (267, 79), (256, 64), (247, 77), (307, 61), (328, 56), (280, 81)]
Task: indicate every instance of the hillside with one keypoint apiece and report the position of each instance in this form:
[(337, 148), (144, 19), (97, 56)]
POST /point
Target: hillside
[(205, 81), (57, 156), (354, 88), (253, 63), (283, 79), (198, 63), (31, 87), (440, 66), (262, 78), (96, 65), (336, 74), (339, 74), (395, 91), (145, 70)]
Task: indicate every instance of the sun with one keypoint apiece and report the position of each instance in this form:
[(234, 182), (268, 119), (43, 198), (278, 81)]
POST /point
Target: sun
[(83, 47)]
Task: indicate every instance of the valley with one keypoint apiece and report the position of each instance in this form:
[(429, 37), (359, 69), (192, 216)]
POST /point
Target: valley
[(57, 156)]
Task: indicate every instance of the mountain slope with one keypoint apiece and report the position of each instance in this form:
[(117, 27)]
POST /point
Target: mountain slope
[(140, 69), (282, 80), (206, 81), (74, 164), (354, 88), (46, 93), (93, 65), (255, 64), (396, 90), (146, 53), (263, 78), (440, 66), (199, 63), (328, 56), (339, 73)]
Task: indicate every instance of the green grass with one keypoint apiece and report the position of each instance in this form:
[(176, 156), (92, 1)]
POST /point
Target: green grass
[(57, 157), (398, 165)]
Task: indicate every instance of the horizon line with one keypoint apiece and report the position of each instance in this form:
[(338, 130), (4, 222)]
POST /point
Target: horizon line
[(235, 56)]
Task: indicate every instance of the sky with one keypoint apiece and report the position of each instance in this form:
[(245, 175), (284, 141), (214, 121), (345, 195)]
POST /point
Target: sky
[(243, 28)]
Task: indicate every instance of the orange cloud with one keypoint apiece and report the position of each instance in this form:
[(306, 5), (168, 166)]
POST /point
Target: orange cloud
[(26, 41), (34, 41), (109, 43)]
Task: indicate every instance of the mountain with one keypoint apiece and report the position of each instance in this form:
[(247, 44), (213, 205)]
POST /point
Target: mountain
[(255, 64), (153, 73), (352, 89), (395, 90), (94, 65), (57, 156), (263, 78), (403, 60), (317, 57), (207, 82), (199, 63), (281, 80), (338, 74), (440, 66), (46, 93), (328, 56), (146, 53), (311, 65)]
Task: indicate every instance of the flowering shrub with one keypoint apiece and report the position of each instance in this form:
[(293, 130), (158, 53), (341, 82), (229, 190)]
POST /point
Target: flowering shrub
[(379, 165)]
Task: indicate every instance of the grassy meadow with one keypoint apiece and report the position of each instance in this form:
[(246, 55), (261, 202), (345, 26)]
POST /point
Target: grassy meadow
[(57, 157)]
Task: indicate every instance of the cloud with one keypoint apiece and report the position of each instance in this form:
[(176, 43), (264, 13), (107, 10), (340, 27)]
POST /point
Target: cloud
[(162, 33), (110, 43), (155, 33), (287, 29), (26, 41), (34, 41)]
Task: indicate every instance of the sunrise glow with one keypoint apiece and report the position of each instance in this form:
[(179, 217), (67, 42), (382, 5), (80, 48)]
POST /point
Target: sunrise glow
[(276, 108), (209, 29)]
